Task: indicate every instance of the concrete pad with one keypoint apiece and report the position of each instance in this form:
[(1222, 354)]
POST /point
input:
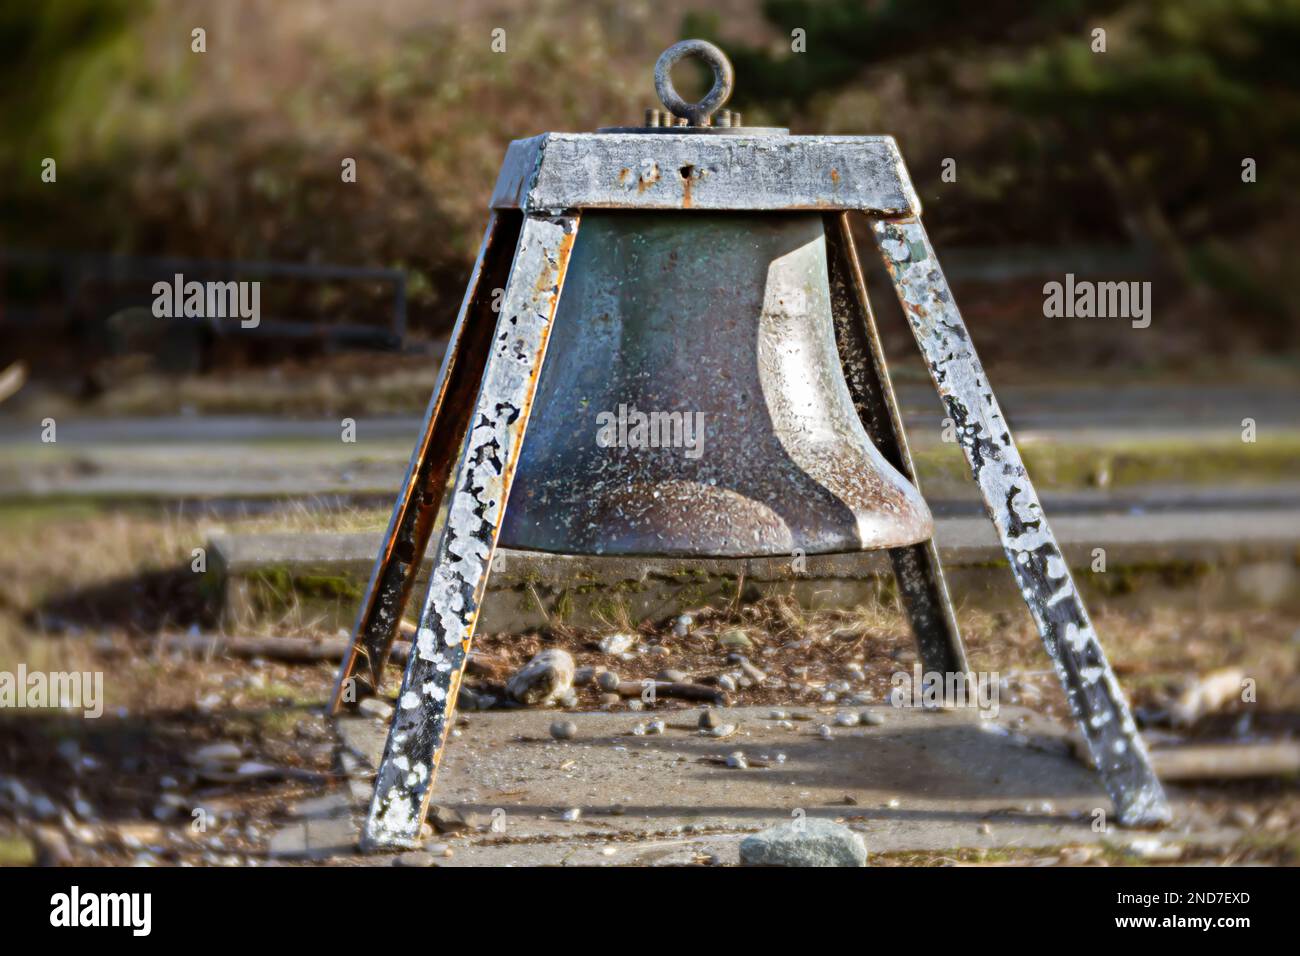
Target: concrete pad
[(921, 781), (325, 828)]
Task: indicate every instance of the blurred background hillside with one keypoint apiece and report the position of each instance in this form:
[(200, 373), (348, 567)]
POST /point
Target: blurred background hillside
[(1123, 164)]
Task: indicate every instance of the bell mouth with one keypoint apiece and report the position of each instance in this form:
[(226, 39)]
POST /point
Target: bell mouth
[(692, 519), (675, 518)]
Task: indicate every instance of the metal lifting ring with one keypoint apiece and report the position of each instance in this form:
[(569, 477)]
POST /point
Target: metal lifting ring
[(723, 79)]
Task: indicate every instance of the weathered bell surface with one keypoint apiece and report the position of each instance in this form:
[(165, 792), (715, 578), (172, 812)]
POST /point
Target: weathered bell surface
[(692, 401)]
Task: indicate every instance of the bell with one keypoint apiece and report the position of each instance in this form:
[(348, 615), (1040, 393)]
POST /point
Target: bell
[(695, 403)]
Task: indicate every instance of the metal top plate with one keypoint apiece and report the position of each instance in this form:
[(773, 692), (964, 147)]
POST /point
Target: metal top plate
[(555, 172)]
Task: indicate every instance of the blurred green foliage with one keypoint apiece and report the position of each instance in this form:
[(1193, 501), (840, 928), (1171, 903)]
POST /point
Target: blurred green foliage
[(46, 52)]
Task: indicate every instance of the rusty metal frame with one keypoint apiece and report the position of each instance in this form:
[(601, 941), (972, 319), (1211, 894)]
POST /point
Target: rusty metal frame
[(740, 171), (460, 474), (917, 570), (421, 496), (492, 434)]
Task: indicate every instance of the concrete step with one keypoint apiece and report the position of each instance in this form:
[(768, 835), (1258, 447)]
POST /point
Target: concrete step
[(1237, 557)]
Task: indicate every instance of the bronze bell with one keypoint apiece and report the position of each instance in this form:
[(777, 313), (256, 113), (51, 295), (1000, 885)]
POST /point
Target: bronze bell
[(694, 402)]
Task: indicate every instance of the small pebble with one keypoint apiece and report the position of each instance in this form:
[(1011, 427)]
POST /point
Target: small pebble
[(376, 707), (219, 753), (825, 732), (571, 815), (568, 700), (846, 719), (564, 730), (753, 673), (607, 681), (736, 760), (617, 643), (1243, 817)]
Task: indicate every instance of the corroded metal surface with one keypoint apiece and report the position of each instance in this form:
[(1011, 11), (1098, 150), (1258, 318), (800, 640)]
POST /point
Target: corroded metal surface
[(917, 569), (554, 172), (488, 456), (416, 509), (1044, 578), (723, 79), (718, 327)]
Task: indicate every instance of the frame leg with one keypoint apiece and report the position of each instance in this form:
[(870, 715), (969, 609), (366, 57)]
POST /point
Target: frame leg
[(420, 499), (480, 488), (916, 567), (1041, 572)]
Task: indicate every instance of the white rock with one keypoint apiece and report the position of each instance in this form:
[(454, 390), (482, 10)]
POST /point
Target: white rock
[(224, 752), (809, 841), (376, 707), (544, 678), (617, 643)]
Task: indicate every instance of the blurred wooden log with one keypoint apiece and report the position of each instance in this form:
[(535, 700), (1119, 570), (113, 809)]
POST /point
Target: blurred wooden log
[(681, 691), (302, 650), (1227, 761)]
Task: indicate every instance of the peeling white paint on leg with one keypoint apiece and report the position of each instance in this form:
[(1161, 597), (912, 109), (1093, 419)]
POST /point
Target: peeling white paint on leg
[(1035, 558), (464, 550)]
